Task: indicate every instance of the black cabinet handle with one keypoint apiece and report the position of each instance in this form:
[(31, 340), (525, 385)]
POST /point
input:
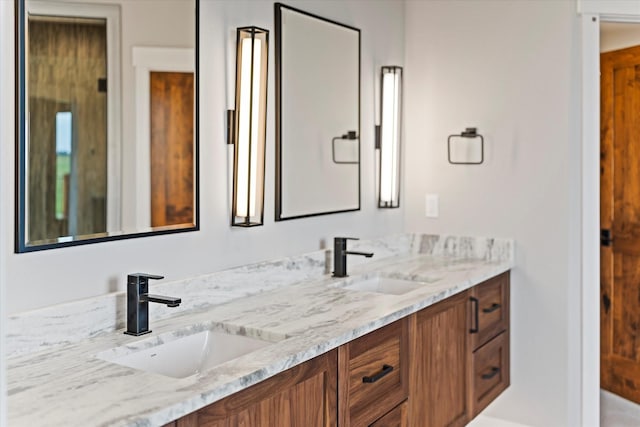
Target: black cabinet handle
[(474, 329), (494, 371), (386, 369), (491, 309)]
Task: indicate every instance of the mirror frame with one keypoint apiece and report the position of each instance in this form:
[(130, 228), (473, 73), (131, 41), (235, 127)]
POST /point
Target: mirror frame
[(278, 142), (21, 245)]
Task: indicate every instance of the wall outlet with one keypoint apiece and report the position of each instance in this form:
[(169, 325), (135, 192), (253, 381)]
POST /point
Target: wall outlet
[(432, 208)]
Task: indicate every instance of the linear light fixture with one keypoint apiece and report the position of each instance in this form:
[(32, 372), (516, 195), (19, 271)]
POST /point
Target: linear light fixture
[(247, 127), (388, 136)]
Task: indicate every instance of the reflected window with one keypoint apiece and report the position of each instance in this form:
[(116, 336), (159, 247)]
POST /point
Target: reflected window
[(64, 132)]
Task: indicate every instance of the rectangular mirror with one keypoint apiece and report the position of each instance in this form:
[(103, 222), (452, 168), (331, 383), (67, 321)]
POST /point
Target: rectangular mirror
[(107, 133), (317, 115)]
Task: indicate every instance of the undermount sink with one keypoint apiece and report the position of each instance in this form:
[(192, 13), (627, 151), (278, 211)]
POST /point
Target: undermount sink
[(187, 355), (380, 285)]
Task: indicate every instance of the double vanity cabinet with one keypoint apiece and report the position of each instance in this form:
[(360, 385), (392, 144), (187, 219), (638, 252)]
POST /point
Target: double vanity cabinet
[(437, 367)]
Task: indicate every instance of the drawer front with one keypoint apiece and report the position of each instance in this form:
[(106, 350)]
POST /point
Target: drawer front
[(490, 370), (489, 309), (373, 374), (396, 418)]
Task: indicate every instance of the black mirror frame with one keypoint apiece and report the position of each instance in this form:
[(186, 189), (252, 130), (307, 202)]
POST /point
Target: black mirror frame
[(278, 142), (21, 245)]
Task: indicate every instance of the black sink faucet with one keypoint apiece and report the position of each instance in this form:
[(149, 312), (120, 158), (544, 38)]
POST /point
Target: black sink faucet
[(340, 253), (138, 298)]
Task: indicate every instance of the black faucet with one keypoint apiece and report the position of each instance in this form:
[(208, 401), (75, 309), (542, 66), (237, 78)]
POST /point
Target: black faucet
[(340, 253), (138, 298)]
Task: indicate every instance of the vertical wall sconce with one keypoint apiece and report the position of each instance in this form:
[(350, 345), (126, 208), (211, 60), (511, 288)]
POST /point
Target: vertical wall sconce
[(247, 127), (388, 136)]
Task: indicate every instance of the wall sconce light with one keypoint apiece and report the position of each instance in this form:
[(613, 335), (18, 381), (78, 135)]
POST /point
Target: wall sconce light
[(247, 125), (388, 136)]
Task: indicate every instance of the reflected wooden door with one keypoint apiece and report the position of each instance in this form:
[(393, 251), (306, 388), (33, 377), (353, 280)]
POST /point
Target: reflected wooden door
[(620, 222), (171, 118)]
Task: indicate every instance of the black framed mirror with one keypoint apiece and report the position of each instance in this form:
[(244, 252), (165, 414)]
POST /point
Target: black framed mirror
[(317, 115), (107, 123)]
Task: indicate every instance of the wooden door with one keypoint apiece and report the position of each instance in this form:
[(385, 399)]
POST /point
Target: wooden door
[(172, 127), (438, 373), (620, 214), (303, 396)]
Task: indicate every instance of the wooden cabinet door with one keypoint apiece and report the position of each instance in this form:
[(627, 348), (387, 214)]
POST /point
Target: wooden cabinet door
[(438, 371), (373, 374), (303, 396), (489, 371), (489, 309), (397, 417)]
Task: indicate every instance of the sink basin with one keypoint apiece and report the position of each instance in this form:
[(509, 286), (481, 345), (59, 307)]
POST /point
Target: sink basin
[(381, 285), (188, 355)]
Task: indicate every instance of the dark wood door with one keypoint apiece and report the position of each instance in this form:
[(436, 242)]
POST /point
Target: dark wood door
[(438, 372), (620, 214), (303, 396), (172, 129)]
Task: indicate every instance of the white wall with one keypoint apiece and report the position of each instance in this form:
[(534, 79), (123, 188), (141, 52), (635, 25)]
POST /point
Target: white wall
[(512, 70), (49, 277), (617, 35)]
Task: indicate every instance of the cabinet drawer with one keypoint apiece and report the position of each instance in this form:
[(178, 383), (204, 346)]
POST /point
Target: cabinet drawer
[(490, 371), (489, 309), (373, 374), (397, 417)]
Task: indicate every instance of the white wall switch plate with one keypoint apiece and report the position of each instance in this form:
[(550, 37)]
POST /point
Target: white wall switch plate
[(432, 206)]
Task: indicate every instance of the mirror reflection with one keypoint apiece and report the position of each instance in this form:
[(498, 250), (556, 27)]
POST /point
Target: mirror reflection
[(107, 136), (318, 115)]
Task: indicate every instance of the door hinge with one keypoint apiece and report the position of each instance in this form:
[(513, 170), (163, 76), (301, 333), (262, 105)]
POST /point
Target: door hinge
[(605, 237)]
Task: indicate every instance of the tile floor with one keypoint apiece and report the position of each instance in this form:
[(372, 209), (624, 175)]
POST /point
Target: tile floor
[(618, 412), (614, 412), (484, 421)]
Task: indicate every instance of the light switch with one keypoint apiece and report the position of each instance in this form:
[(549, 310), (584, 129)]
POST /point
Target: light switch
[(432, 206)]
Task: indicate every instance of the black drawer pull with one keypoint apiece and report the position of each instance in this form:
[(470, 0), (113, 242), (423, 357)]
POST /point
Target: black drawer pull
[(476, 327), (494, 371), (491, 309), (386, 369)]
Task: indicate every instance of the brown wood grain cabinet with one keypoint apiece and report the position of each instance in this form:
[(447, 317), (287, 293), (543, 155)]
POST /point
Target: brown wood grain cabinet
[(490, 372), (439, 364), (373, 374), (304, 395), (489, 309), (489, 332), (438, 367), (397, 417)]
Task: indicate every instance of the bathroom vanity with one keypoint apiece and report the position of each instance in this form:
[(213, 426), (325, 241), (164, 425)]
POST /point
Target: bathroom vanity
[(440, 366), (418, 336)]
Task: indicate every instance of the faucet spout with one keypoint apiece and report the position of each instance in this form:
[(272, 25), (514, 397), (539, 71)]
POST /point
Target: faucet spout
[(168, 301), (365, 254)]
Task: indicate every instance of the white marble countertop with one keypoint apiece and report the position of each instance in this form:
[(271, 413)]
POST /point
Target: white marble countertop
[(68, 385)]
